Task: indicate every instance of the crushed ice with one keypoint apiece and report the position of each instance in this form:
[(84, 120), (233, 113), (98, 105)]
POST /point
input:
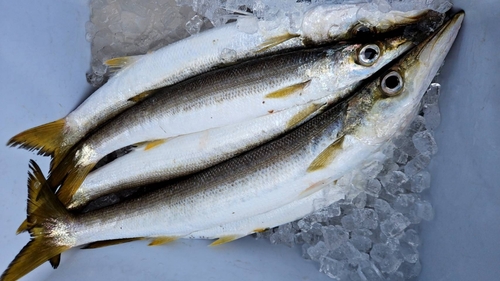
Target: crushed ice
[(370, 235)]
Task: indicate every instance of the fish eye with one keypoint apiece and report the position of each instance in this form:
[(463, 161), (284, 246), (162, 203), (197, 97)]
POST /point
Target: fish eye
[(392, 84), (368, 55), (363, 31)]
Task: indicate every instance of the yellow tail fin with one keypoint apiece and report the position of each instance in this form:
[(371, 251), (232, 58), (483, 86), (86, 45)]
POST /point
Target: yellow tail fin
[(70, 174), (45, 213), (47, 139)]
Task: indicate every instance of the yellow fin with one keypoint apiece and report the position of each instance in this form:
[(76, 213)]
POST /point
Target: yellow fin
[(23, 227), (105, 243), (225, 239), (47, 139), (155, 143), (326, 156), (305, 115), (141, 96), (271, 42), (42, 214), (287, 91), (162, 240), (70, 175), (55, 261), (258, 230), (121, 62)]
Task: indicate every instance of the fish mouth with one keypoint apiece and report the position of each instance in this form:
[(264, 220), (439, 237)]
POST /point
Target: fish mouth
[(431, 53)]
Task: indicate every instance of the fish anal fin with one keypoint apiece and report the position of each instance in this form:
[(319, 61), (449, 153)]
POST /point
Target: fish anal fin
[(155, 143), (55, 261), (287, 91), (259, 230), (225, 239), (304, 115), (326, 156), (121, 62), (157, 241), (141, 96), (273, 41), (42, 213), (105, 243)]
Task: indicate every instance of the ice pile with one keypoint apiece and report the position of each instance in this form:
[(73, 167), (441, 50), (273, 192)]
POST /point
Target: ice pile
[(132, 27), (373, 233)]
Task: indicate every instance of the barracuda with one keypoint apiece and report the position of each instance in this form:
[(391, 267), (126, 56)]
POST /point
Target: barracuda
[(197, 54), (266, 178)]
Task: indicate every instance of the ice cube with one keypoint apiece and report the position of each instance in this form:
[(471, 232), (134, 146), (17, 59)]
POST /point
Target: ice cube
[(409, 253), (393, 181), (369, 271), (383, 209), (417, 164), (394, 225), (420, 181), (317, 251), (361, 242), (411, 270), (360, 218), (373, 187), (404, 203), (335, 269), (424, 142), (359, 201), (432, 116), (386, 258), (334, 236), (396, 276), (411, 237), (193, 26), (423, 210)]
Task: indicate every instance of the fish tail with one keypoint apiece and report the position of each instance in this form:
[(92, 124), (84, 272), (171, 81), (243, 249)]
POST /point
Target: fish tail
[(47, 139), (45, 215), (70, 174)]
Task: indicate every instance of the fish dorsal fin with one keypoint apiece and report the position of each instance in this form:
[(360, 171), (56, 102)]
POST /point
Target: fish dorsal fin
[(105, 243), (157, 241), (326, 156), (305, 114), (225, 239), (287, 91), (141, 96), (273, 41), (120, 62), (55, 261)]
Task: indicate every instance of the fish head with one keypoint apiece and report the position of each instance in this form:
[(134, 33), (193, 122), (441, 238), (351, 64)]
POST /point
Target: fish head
[(396, 95), (333, 22)]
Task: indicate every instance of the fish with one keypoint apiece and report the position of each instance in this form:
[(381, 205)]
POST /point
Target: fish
[(273, 175), (229, 96), (140, 76), (164, 159)]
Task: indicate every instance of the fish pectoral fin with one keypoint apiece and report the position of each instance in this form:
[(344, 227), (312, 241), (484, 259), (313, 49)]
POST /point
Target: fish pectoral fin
[(105, 243), (326, 156), (273, 41), (55, 261), (152, 144), (305, 115), (225, 239), (120, 62), (157, 241), (288, 91), (141, 96), (312, 189)]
